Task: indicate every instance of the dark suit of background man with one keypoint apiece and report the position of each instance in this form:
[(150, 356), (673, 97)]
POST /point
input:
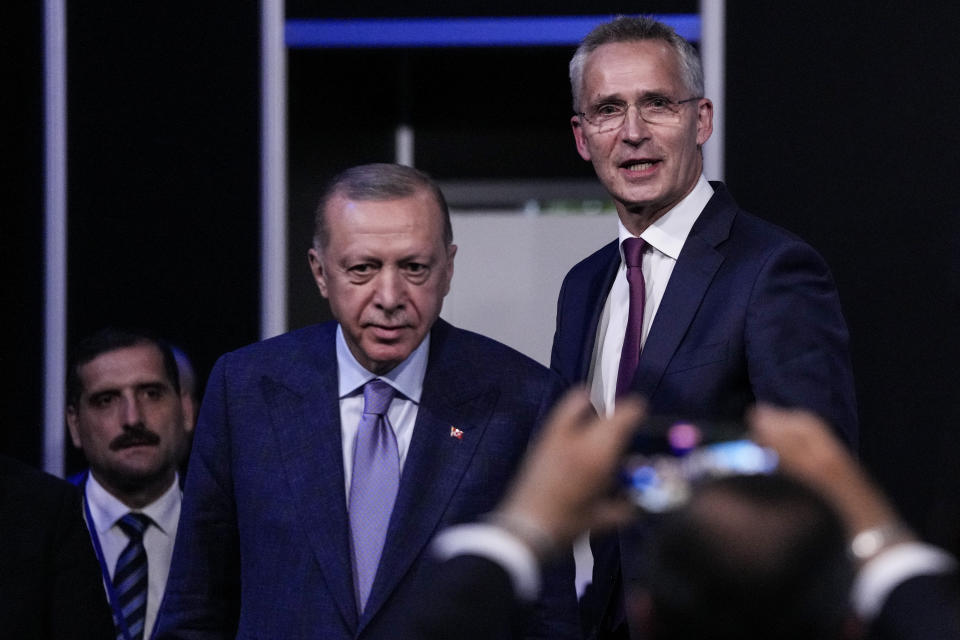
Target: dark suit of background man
[(735, 310), (266, 545), (125, 411), (50, 586)]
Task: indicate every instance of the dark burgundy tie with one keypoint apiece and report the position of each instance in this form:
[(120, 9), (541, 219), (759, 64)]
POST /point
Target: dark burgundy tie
[(630, 355)]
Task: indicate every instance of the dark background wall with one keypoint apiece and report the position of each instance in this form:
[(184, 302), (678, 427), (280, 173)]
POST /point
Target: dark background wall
[(163, 198), (841, 127), (21, 226)]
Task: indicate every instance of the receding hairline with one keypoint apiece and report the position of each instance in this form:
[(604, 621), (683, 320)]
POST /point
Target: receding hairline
[(110, 340), (341, 196), (627, 29), (379, 182)]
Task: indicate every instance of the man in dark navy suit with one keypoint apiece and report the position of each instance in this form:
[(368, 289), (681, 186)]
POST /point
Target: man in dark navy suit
[(49, 579), (700, 307), (310, 499)]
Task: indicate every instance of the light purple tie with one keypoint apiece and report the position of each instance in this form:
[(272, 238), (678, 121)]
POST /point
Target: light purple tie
[(630, 355), (373, 487)]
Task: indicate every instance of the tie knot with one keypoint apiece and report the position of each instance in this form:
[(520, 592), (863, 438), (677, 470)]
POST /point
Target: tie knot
[(377, 395), (134, 524), (633, 251)]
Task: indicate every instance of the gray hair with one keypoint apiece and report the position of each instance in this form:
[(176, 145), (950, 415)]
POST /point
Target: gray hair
[(635, 29), (379, 181)]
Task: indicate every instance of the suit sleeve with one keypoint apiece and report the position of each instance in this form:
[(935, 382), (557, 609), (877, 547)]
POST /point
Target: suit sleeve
[(797, 344), (202, 595), (922, 608), (466, 597)]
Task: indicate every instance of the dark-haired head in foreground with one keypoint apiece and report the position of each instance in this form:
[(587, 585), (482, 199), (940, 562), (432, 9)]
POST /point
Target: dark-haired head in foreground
[(748, 557)]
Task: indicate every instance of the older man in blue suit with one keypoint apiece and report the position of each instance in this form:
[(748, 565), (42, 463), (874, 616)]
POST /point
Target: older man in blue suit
[(698, 306), (327, 458)]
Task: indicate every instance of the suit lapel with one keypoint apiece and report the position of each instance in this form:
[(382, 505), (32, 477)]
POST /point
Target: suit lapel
[(698, 263), (594, 297), (305, 415), (435, 462)]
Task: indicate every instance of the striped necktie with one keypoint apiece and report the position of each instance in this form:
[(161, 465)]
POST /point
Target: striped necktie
[(130, 576)]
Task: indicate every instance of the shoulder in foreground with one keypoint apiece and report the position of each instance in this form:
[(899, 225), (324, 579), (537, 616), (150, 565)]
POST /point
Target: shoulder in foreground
[(755, 226), (595, 261), (448, 341), (287, 345)]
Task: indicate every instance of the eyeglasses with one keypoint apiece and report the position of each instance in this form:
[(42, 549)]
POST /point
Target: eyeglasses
[(608, 116)]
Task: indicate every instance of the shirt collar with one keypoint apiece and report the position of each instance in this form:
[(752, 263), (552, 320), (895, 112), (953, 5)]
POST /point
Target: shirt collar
[(406, 377), (106, 508), (668, 233)]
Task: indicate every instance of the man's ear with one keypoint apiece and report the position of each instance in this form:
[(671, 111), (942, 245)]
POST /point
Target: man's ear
[(73, 426), (451, 254), (316, 268), (189, 411), (580, 138), (704, 120)]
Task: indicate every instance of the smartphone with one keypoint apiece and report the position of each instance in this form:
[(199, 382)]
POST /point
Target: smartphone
[(670, 457)]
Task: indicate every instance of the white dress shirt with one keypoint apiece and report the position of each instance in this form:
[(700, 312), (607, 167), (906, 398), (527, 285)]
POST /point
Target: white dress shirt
[(497, 545), (158, 538), (406, 378), (883, 573), (664, 238)]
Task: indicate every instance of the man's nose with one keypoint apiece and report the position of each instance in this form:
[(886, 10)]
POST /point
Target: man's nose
[(635, 128), (132, 413), (390, 289)]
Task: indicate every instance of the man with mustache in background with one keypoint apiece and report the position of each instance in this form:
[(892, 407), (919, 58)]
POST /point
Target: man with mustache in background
[(125, 411)]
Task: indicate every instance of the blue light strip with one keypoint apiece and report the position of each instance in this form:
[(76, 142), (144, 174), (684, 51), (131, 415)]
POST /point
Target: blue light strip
[(459, 32)]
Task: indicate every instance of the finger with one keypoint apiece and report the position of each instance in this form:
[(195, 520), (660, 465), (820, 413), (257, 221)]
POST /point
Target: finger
[(626, 419), (572, 411)]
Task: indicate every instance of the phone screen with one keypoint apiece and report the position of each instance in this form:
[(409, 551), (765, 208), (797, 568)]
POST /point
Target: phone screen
[(672, 457)]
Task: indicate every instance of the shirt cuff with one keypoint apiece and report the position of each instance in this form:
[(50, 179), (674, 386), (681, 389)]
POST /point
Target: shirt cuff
[(890, 568), (497, 545)]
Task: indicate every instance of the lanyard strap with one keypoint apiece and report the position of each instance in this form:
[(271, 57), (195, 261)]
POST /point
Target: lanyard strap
[(112, 596)]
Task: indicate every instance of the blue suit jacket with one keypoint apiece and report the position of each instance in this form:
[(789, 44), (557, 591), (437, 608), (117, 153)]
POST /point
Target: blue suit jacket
[(263, 547), (751, 313)]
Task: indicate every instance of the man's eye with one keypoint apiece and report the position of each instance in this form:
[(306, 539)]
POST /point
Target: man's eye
[(607, 110), (101, 402), (416, 267), (153, 393), (361, 269), (657, 103)]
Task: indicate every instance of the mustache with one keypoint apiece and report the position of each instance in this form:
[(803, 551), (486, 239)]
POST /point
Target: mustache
[(134, 436)]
